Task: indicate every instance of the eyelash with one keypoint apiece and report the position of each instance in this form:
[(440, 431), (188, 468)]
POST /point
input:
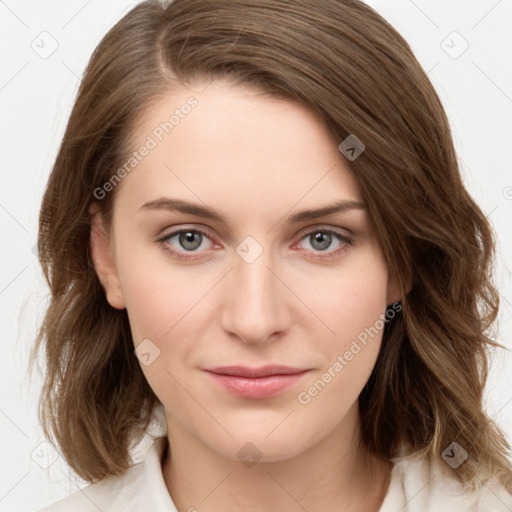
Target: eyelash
[(319, 254)]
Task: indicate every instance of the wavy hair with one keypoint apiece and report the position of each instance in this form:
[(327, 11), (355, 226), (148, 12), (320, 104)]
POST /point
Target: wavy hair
[(344, 62)]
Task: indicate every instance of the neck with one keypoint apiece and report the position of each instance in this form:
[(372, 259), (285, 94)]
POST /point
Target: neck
[(336, 474)]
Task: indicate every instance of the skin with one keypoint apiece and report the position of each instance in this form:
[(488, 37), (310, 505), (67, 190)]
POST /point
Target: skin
[(257, 160)]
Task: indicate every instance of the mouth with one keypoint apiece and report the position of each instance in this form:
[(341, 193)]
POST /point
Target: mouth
[(256, 383)]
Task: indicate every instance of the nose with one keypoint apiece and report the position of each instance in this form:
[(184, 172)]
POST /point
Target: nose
[(256, 307)]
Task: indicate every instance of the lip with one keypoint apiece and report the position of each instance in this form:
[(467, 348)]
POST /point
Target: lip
[(262, 371), (256, 383)]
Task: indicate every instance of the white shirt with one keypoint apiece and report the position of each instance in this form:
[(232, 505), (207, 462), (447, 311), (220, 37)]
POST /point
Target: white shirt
[(415, 486)]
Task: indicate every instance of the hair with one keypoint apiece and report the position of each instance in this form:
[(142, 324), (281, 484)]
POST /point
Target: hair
[(345, 63)]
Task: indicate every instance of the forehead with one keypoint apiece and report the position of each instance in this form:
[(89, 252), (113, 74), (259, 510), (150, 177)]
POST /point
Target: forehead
[(235, 145)]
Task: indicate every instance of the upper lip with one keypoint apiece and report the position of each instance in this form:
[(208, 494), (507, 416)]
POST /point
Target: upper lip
[(262, 371)]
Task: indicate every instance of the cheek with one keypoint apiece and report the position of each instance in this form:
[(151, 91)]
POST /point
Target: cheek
[(154, 306), (157, 294), (160, 304), (349, 301), (167, 308), (353, 307)]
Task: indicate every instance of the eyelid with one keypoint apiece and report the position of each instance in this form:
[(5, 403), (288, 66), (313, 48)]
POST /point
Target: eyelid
[(325, 227), (172, 230), (180, 229)]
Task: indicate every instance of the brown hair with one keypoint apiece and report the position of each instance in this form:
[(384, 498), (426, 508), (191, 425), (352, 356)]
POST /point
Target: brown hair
[(347, 64)]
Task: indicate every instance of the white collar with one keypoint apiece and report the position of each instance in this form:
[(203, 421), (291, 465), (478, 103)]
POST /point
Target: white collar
[(141, 487)]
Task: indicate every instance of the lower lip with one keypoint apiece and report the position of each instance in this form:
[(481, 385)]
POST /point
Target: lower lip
[(258, 387)]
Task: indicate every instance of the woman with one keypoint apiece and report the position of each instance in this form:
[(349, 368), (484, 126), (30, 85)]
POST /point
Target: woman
[(256, 231)]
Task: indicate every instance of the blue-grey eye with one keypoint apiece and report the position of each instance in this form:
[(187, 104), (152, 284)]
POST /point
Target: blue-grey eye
[(320, 240), (190, 240)]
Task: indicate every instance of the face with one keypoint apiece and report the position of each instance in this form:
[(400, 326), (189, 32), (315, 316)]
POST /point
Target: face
[(220, 262)]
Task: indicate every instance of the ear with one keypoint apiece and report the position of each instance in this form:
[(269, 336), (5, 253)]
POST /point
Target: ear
[(103, 259), (394, 290)]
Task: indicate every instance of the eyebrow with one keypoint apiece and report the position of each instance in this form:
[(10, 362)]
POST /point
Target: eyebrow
[(179, 205)]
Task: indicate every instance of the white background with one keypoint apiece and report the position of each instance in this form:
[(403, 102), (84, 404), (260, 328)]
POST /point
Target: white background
[(36, 96)]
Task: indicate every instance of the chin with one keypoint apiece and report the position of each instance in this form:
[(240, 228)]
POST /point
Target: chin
[(258, 447)]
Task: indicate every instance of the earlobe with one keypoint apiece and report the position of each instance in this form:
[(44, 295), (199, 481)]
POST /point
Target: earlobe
[(394, 291), (103, 260)]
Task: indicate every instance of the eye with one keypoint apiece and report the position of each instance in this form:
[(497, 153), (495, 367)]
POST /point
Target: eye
[(183, 241), (321, 240)]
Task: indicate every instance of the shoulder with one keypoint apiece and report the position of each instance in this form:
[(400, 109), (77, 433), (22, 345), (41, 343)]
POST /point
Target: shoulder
[(141, 487), (420, 485)]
